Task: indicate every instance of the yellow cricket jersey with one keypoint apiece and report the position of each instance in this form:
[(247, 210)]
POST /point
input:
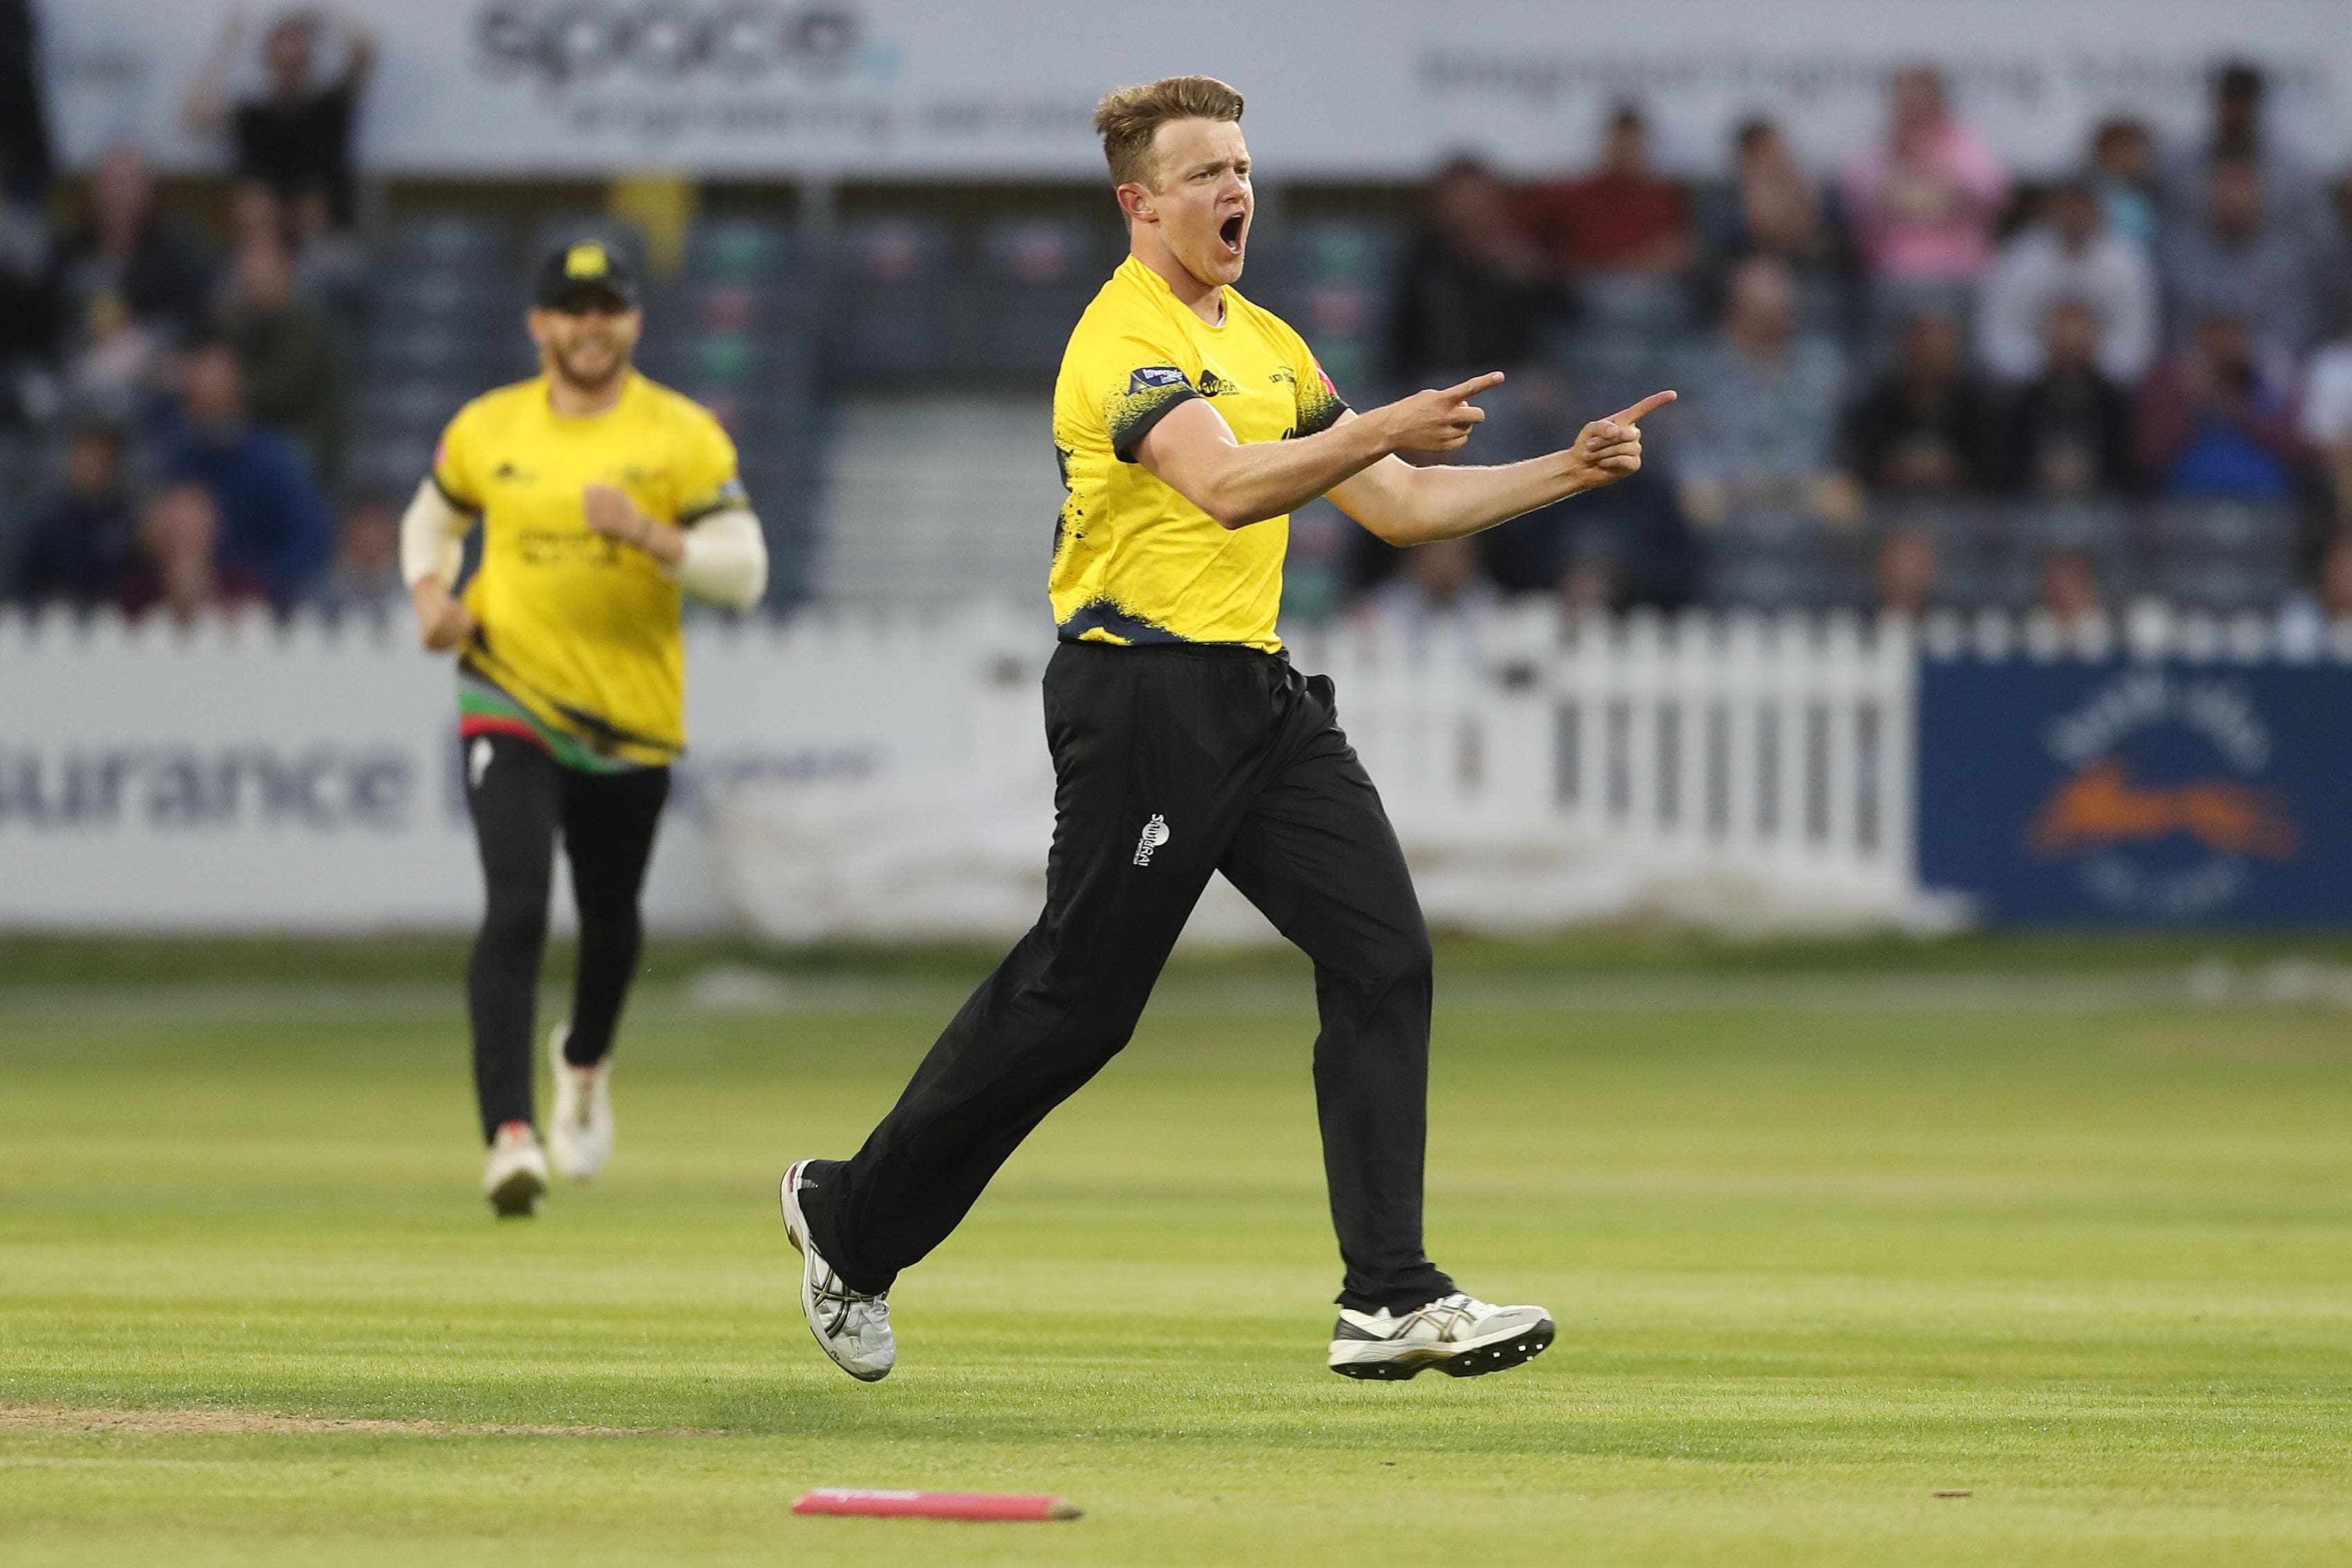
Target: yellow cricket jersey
[(1133, 560), (580, 631)]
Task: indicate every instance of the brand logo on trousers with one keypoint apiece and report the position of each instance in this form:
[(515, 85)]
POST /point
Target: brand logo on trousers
[(1155, 834)]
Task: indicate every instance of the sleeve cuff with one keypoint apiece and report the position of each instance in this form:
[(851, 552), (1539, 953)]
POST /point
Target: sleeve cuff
[(1132, 436), (452, 496)]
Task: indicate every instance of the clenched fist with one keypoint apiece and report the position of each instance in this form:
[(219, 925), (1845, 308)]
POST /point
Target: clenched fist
[(443, 621)]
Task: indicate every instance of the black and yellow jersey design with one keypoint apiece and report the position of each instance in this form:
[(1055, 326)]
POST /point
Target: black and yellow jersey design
[(579, 630), (1133, 560)]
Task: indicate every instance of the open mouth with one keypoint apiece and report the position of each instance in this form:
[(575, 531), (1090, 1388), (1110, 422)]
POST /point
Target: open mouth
[(1231, 232)]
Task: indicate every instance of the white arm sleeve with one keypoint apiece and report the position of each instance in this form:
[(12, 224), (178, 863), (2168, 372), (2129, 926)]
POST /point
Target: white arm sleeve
[(432, 532), (726, 560)]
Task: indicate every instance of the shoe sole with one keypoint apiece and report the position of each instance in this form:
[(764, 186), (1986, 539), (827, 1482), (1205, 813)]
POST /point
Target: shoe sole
[(1473, 1361), (517, 1196), (795, 1223)]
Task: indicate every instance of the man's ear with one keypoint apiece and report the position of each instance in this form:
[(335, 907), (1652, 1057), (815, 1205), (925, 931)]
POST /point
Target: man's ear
[(1134, 200)]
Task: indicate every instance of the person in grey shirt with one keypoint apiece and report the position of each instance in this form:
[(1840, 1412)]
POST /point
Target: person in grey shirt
[(1756, 442), (2232, 260), (2070, 254)]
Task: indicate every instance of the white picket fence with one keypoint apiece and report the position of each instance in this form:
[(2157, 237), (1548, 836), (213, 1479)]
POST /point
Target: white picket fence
[(1772, 749)]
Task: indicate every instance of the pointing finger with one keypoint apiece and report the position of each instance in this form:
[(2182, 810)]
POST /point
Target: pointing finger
[(1633, 414), (1475, 384)]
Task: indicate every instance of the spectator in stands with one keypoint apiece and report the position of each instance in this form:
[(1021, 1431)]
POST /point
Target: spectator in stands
[(2237, 134), (1923, 205), (273, 527), (29, 314), (182, 571), (1631, 546), (81, 549), (2069, 254), (1621, 220), (1592, 579), (2070, 589), (330, 268), (2068, 434), (2123, 172), (292, 380), (112, 363), (2232, 260), (1473, 290), (1774, 207), (2311, 614), (1927, 428), (297, 136), (130, 250), (255, 215), (2332, 258), (2327, 421), (2210, 423), (26, 158), (364, 579), (1435, 584), (1906, 572), (1757, 427)]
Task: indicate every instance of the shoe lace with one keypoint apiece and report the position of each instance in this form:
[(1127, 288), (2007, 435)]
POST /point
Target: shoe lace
[(1450, 1315), (838, 1302)]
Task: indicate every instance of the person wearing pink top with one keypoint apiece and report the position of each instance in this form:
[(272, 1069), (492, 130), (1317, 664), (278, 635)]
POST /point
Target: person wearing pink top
[(1923, 204)]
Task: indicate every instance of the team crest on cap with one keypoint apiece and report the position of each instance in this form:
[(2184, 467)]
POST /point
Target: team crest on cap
[(586, 259)]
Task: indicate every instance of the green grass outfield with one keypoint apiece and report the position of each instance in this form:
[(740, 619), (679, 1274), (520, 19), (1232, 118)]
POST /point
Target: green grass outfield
[(1820, 1248)]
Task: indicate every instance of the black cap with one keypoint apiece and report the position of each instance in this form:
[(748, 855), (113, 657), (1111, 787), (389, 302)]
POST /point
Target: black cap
[(588, 270)]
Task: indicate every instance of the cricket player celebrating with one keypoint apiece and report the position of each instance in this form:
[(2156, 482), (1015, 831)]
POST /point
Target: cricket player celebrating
[(1189, 424), (602, 497)]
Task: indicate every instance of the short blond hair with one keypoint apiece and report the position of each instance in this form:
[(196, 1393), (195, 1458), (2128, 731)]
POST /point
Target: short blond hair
[(1130, 117)]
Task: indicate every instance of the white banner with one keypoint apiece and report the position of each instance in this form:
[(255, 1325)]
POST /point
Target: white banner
[(1375, 88), (260, 778)]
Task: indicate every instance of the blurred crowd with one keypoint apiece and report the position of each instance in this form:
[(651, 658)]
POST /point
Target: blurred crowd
[(1915, 329), (1884, 364), (199, 397)]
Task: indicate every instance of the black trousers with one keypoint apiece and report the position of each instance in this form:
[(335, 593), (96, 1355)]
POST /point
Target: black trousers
[(520, 799), (1173, 763)]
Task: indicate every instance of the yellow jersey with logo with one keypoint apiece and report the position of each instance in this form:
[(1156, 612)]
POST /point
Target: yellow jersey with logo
[(1134, 562), (579, 631)]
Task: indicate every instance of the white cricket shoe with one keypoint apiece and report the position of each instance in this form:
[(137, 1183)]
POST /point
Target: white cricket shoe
[(579, 1126), (1459, 1335), (850, 1326), (516, 1173)]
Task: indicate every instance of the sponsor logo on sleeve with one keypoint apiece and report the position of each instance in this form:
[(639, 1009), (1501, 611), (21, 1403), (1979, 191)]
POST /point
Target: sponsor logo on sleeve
[(1155, 378), (1155, 834)]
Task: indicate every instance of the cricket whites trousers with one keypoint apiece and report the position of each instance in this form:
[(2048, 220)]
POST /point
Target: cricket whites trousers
[(1172, 763)]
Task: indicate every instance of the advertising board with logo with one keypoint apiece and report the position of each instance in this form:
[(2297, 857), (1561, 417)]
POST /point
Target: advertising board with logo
[(2113, 790), (1383, 89)]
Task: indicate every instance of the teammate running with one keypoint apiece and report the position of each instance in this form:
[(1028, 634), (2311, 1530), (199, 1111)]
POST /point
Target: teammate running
[(600, 497), (1189, 424)]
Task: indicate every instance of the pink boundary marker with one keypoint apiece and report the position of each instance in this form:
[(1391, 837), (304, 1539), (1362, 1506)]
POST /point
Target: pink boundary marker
[(871, 1503)]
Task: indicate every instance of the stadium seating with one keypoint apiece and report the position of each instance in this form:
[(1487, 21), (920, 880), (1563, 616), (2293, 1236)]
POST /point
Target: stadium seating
[(773, 328)]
